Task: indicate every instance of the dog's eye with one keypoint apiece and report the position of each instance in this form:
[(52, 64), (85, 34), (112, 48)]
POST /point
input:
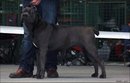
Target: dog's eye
[(34, 8)]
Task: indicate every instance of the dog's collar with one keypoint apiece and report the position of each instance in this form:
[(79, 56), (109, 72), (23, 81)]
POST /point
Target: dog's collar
[(35, 45)]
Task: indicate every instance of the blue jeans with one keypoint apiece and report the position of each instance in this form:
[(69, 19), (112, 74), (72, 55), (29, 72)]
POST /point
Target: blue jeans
[(48, 11)]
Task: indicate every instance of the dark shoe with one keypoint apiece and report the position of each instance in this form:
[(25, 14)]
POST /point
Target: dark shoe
[(20, 73), (52, 73)]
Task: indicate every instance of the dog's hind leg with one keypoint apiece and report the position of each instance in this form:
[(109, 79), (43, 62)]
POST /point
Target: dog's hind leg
[(95, 74), (92, 50)]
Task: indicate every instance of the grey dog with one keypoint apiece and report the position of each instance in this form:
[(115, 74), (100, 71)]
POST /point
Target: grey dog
[(47, 37)]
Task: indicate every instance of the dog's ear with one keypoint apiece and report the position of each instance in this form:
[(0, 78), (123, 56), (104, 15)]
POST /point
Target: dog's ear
[(32, 6), (35, 8)]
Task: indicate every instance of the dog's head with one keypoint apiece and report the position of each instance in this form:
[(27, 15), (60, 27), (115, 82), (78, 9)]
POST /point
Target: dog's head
[(29, 14)]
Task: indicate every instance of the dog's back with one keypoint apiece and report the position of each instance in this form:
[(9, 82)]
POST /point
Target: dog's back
[(69, 36)]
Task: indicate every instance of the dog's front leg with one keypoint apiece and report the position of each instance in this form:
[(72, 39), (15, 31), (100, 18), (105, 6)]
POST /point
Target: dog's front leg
[(37, 63), (41, 59)]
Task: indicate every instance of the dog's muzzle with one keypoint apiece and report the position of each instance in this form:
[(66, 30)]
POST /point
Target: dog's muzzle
[(24, 15)]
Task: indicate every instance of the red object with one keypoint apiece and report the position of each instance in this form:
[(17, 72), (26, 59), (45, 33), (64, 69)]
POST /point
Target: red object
[(77, 48), (119, 50)]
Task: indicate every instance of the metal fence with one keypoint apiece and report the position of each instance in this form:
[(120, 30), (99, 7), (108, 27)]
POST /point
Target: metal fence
[(104, 15), (108, 16), (10, 12)]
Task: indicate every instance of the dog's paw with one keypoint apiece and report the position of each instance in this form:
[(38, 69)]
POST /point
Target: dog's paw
[(34, 76), (102, 76), (94, 75), (39, 76)]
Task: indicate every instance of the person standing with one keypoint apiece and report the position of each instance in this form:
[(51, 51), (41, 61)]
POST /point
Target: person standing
[(126, 28), (48, 9)]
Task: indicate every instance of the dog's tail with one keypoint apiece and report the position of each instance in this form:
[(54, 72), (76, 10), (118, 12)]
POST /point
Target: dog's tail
[(96, 32)]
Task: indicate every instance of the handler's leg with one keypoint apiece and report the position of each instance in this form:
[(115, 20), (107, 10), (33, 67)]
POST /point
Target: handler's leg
[(48, 10), (51, 64), (27, 58)]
